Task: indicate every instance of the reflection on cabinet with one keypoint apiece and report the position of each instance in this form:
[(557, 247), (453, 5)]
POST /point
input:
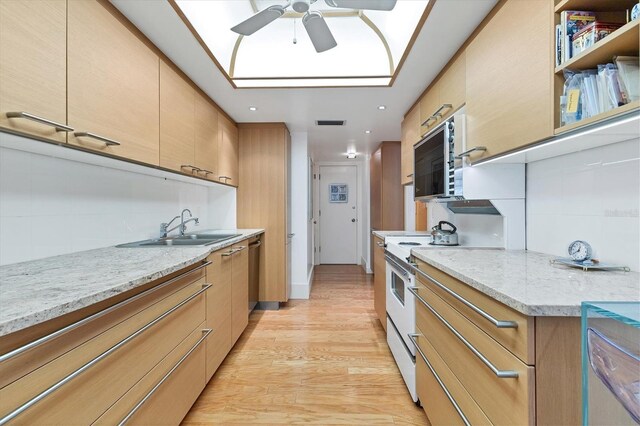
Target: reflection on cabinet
[(262, 200), (445, 96), (228, 151), (379, 280), (387, 193), (410, 130), (206, 138), (32, 34), (113, 81), (509, 88), (177, 121)]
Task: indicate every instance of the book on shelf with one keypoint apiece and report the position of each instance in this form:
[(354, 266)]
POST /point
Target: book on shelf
[(629, 74), (571, 23)]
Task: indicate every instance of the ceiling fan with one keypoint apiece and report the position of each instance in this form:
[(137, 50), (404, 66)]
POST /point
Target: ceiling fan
[(313, 21)]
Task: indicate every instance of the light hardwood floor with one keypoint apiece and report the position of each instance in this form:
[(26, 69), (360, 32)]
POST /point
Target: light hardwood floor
[(318, 361)]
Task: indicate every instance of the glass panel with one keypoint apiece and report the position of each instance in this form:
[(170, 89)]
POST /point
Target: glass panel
[(397, 287), (429, 166)]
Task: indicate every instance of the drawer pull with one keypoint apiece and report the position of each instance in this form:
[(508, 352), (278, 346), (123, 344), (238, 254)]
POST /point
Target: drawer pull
[(153, 390), (226, 178), (106, 141), (229, 253), (426, 122), (239, 249), (444, 388), (502, 374), (50, 390), (48, 337), (498, 323), (380, 244), (21, 114), (468, 152), (206, 172), (193, 168), (396, 265)]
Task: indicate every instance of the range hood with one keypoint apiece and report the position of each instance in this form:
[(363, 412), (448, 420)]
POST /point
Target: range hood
[(473, 207)]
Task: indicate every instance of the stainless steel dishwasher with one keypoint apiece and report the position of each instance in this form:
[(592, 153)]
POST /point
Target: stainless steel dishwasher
[(254, 271)]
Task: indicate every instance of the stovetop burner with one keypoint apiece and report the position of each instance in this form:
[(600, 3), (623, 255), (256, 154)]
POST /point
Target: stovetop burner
[(409, 243)]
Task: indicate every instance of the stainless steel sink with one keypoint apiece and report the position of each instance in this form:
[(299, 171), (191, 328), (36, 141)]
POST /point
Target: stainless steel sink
[(182, 241)]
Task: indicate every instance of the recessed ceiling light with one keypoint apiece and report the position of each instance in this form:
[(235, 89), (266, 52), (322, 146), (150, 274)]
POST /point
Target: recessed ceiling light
[(252, 108), (382, 107), (367, 131), (351, 155)]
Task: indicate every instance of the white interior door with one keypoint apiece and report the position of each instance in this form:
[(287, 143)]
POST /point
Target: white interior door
[(338, 215)]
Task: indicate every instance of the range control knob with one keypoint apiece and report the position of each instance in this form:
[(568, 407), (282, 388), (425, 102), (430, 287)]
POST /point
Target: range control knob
[(451, 126)]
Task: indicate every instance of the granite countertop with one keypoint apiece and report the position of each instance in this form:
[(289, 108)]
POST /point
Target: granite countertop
[(384, 234), (528, 283), (39, 290)]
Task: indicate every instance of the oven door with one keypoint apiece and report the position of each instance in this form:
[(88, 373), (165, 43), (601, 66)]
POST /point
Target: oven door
[(431, 164), (400, 301)]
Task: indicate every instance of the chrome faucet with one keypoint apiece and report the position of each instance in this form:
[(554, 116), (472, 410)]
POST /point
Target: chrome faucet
[(164, 227)]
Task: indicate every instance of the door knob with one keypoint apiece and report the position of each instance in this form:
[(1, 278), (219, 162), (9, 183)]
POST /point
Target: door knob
[(353, 220)]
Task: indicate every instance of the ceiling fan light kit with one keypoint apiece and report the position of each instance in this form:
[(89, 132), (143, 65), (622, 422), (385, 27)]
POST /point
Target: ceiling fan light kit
[(313, 21)]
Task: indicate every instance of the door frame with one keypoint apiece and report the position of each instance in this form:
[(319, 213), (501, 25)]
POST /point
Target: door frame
[(360, 202)]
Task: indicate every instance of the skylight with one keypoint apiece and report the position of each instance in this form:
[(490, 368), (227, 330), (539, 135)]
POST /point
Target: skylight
[(370, 50)]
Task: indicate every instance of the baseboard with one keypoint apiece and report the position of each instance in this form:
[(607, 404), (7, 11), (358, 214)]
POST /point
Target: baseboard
[(302, 290), (365, 266)]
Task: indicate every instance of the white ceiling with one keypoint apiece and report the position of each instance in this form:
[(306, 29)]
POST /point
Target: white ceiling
[(448, 26)]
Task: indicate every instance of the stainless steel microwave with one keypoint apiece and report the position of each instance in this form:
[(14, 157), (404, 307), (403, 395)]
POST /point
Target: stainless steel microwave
[(435, 162)]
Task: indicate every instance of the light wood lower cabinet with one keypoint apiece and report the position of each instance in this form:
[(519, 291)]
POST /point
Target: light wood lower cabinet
[(379, 280), (33, 69), (239, 289), (113, 84)]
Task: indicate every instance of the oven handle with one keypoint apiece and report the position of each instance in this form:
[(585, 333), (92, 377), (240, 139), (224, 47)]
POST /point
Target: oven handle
[(397, 265)]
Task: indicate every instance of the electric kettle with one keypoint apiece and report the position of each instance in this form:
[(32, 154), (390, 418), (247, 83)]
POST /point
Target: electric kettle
[(444, 237)]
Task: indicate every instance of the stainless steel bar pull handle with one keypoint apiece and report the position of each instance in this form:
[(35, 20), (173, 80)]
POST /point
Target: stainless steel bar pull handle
[(51, 389), (468, 152), (435, 375), (256, 244), (58, 126), (205, 334), (496, 322), (426, 122), (442, 107), (206, 172), (380, 244), (503, 374), (396, 265), (189, 166), (229, 253), (226, 178), (107, 141)]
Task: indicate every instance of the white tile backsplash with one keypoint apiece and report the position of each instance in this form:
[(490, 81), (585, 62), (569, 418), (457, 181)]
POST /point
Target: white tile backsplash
[(592, 195), (51, 206)]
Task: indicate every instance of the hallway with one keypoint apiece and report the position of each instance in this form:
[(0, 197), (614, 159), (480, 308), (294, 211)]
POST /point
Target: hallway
[(318, 361)]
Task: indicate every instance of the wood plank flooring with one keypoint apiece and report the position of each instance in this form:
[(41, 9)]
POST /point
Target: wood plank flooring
[(319, 361)]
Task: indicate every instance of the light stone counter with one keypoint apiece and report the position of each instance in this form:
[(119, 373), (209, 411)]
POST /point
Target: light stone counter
[(40, 290), (384, 234), (528, 283)]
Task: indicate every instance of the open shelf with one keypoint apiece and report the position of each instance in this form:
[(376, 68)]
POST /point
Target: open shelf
[(603, 116), (594, 6), (622, 42)]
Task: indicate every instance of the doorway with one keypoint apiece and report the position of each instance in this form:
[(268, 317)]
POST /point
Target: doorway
[(338, 214)]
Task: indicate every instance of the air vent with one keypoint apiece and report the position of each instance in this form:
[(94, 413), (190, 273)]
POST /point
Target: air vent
[(331, 122)]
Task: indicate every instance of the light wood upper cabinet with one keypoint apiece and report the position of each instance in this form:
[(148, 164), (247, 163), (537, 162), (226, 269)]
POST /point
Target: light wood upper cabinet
[(509, 83), (410, 129), (428, 106), (177, 121), (113, 84), (33, 68), (206, 142), (227, 151)]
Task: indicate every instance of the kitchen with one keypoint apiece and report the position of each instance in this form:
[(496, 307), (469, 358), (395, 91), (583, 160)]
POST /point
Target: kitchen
[(333, 212)]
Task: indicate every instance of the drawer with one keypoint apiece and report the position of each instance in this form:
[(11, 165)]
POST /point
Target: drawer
[(143, 391), (484, 367), (65, 390), (484, 311), (443, 397), (52, 340)]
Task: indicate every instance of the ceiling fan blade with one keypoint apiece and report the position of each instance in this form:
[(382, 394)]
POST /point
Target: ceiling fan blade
[(363, 4), (259, 20), (318, 31)]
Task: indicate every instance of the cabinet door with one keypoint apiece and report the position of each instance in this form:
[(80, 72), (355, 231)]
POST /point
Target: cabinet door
[(452, 86), (429, 104), (33, 70), (227, 151), (379, 281), (218, 309), (410, 135), (509, 85), (375, 166), (206, 142), (113, 81), (177, 121), (240, 290)]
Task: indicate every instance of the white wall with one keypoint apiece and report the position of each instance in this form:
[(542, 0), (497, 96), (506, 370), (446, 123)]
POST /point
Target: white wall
[(593, 195), (51, 206), (409, 209), (302, 249), (474, 229)]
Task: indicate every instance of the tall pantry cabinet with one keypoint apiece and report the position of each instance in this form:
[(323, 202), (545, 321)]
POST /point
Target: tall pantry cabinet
[(263, 151)]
